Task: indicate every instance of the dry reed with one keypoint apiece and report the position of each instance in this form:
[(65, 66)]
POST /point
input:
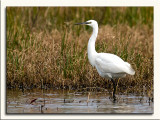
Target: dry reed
[(57, 58)]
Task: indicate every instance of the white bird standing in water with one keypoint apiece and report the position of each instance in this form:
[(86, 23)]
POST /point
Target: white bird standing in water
[(108, 65)]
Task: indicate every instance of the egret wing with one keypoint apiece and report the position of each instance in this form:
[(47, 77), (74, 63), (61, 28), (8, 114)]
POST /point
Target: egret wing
[(108, 67), (110, 63)]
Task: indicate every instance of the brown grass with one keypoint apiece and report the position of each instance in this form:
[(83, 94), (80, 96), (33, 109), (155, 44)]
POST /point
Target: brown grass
[(45, 49), (59, 59)]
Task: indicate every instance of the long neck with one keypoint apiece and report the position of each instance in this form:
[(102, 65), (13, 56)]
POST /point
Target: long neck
[(91, 46)]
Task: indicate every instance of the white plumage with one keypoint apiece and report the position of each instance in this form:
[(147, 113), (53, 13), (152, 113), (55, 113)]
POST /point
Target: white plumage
[(112, 66), (108, 65)]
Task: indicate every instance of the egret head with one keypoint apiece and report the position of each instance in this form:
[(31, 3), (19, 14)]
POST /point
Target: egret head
[(91, 23)]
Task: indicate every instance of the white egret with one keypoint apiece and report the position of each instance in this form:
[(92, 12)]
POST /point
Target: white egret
[(108, 65)]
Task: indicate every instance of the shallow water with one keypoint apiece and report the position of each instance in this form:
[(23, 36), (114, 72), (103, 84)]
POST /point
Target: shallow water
[(60, 101)]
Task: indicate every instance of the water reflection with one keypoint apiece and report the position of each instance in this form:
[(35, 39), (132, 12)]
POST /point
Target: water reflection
[(59, 101)]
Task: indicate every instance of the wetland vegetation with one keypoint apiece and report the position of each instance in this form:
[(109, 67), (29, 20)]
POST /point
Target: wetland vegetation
[(45, 50)]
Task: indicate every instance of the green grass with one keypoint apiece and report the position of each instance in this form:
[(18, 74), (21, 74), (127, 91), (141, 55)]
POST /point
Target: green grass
[(45, 49)]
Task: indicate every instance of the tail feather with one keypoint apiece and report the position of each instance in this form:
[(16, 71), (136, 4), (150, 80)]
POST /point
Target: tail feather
[(130, 69)]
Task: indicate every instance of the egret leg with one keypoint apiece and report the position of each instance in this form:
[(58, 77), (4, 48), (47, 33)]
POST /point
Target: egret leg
[(114, 91)]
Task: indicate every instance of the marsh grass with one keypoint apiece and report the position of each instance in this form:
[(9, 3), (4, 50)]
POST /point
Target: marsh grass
[(46, 50)]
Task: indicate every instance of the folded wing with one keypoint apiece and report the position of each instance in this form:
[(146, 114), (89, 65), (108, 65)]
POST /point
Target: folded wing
[(110, 63)]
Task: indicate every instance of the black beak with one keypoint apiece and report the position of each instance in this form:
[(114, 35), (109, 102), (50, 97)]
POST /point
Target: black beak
[(84, 23)]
